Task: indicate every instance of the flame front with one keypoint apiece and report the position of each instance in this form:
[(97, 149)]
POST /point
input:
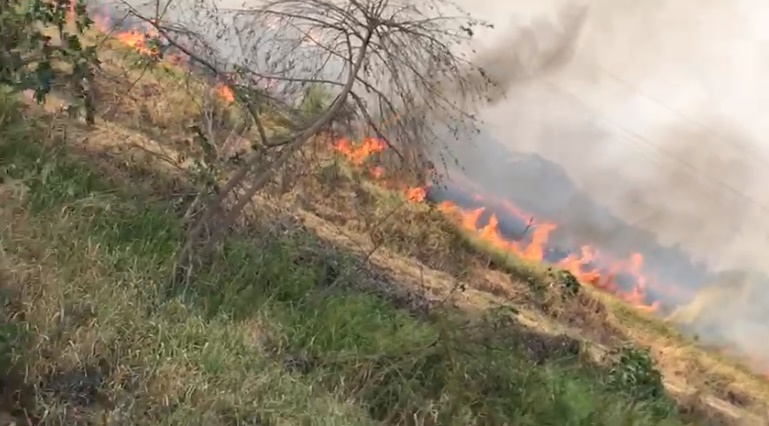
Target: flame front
[(145, 40), (141, 41), (484, 223), (358, 154)]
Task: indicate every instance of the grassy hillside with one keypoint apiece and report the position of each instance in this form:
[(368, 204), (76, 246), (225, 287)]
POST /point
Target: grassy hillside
[(337, 303)]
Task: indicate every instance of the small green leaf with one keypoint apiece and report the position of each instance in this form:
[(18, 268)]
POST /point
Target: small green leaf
[(73, 43)]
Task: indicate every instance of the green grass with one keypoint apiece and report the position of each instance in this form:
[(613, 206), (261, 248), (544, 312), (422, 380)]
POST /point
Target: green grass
[(277, 331)]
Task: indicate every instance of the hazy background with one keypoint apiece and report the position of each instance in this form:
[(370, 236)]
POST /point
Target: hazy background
[(659, 114), (658, 110)]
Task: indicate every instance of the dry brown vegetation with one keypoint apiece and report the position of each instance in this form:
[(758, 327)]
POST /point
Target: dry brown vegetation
[(331, 290)]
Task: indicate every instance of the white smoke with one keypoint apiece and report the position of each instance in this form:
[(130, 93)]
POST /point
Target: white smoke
[(658, 113)]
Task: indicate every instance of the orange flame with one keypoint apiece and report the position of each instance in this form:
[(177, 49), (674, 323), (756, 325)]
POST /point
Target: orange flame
[(579, 264), (144, 41), (416, 195), (141, 41), (358, 154), (539, 232), (224, 93)]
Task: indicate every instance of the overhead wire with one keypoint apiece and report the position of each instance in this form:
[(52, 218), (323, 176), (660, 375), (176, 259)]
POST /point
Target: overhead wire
[(644, 143), (742, 148), (653, 152)]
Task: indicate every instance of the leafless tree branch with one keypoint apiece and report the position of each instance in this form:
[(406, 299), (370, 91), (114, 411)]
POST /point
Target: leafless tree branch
[(392, 67)]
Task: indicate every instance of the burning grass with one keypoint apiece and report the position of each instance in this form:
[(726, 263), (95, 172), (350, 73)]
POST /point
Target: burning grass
[(280, 331), (264, 338), (431, 235)]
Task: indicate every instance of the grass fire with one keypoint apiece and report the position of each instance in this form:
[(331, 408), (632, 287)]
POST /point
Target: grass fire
[(505, 227), (218, 246)]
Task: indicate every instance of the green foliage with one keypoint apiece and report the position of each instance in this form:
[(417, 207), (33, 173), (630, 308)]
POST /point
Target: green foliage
[(30, 58), (635, 374), (567, 282)]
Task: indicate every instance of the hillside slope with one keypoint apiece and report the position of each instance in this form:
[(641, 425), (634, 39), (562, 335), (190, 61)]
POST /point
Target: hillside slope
[(337, 302)]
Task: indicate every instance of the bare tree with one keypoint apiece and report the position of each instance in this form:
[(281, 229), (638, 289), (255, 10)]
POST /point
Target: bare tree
[(396, 67)]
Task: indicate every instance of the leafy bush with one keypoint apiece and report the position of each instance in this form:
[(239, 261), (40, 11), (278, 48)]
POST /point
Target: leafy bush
[(635, 374), (41, 43)]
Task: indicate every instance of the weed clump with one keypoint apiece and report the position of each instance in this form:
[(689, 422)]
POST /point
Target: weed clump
[(635, 374), (568, 285)]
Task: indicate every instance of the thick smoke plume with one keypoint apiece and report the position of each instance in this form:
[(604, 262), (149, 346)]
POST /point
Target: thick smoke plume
[(647, 120)]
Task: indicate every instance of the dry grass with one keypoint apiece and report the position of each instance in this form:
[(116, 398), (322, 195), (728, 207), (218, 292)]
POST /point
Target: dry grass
[(429, 236), (291, 327), (278, 332)]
